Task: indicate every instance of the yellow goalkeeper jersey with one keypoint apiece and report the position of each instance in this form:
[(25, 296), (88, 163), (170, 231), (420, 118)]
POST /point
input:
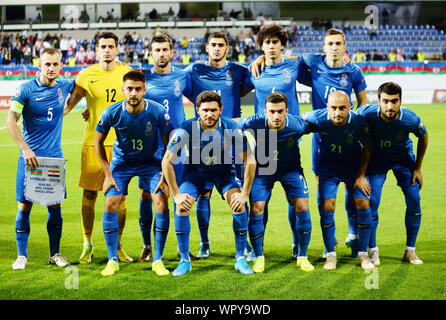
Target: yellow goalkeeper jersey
[(103, 88)]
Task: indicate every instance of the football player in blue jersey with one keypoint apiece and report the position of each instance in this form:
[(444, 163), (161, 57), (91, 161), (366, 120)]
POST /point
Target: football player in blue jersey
[(343, 156), (279, 75), (209, 140), (392, 149), (137, 123), (230, 81), (165, 84), (277, 133), (329, 72), (41, 102)]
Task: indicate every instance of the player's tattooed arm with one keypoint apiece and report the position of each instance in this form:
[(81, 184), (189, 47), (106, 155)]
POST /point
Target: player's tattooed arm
[(74, 98), (421, 150), (16, 134)]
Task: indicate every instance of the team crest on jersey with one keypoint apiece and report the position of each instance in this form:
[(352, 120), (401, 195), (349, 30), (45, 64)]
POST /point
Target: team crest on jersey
[(149, 129), (177, 88), (61, 99), (286, 76), (291, 143), (344, 80), (349, 139), (229, 80)]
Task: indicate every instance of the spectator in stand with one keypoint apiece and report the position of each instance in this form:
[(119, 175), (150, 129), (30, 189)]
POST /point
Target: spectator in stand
[(358, 57), (90, 57), (255, 29), (444, 54), (242, 57), (328, 24), (368, 56), (376, 56), (399, 55), (153, 15), (182, 13), (185, 58), (420, 55), (315, 24), (184, 43), (158, 31), (170, 13), (392, 55), (81, 56), (27, 55), (64, 45), (36, 61), (384, 56), (346, 25)]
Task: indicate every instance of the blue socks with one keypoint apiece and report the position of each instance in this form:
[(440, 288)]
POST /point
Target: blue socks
[(364, 222), (110, 226), (160, 230), (328, 228), (182, 230), (412, 222), (203, 215), (256, 233), (352, 215), (22, 230), (145, 221), (292, 220), (303, 231), (54, 228), (240, 227)]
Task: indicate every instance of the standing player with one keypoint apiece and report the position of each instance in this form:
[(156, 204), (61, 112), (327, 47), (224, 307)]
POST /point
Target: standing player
[(41, 102), (101, 85), (208, 139), (343, 156), (166, 85), (390, 125), (288, 129), (279, 75), (138, 123), (230, 81), (330, 73)]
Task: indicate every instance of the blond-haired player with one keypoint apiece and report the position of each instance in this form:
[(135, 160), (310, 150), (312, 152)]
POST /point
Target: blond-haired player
[(101, 85)]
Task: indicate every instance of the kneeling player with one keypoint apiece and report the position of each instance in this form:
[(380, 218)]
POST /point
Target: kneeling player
[(341, 159), (136, 121), (208, 139), (282, 132), (390, 125)]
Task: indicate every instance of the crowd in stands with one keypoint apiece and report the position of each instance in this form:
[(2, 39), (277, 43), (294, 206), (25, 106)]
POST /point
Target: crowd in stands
[(25, 47)]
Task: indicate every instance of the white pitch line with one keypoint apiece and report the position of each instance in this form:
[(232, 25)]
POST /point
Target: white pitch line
[(14, 145)]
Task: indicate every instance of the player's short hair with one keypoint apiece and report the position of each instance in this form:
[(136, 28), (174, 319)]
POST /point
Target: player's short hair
[(209, 96), (107, 35), (389, 88), (220, 35), (333, 32), (272, 31), (160, 39), (134, 76), (276, 97), (51, 52)]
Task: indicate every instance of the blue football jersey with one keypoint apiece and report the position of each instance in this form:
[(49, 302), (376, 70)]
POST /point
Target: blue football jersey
[(282, 78), (225, 81), (390, 141), (340, 146), (168, 90), (136, 134), (326, 79), (286, 151), (208, 150), (42, 115)]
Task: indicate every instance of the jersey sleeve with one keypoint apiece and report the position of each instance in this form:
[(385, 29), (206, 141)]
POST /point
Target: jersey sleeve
[(303, 126), (364, 131), (311, 121), (178, 140), (104, 123), (246, 78), (418, 127), (358, 80), (187, 92), (21, 94), (164, 122), (82, 79), (303, 74)]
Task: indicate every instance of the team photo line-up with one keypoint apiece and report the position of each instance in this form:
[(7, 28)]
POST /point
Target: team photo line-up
[(136, 126)]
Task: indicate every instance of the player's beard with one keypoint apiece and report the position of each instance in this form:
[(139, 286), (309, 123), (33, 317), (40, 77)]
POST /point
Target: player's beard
[(163, 64), (133, 104)]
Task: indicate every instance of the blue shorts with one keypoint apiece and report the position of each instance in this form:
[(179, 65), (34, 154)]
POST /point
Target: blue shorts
[(149, 177), (329, 180), (293, 182), (195, 183), (20, 182)]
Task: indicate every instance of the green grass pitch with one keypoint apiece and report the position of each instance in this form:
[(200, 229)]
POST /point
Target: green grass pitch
[(215, 277)]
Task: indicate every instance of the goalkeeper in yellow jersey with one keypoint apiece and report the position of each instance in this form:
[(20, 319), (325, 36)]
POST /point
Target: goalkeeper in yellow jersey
[(101, 85)]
